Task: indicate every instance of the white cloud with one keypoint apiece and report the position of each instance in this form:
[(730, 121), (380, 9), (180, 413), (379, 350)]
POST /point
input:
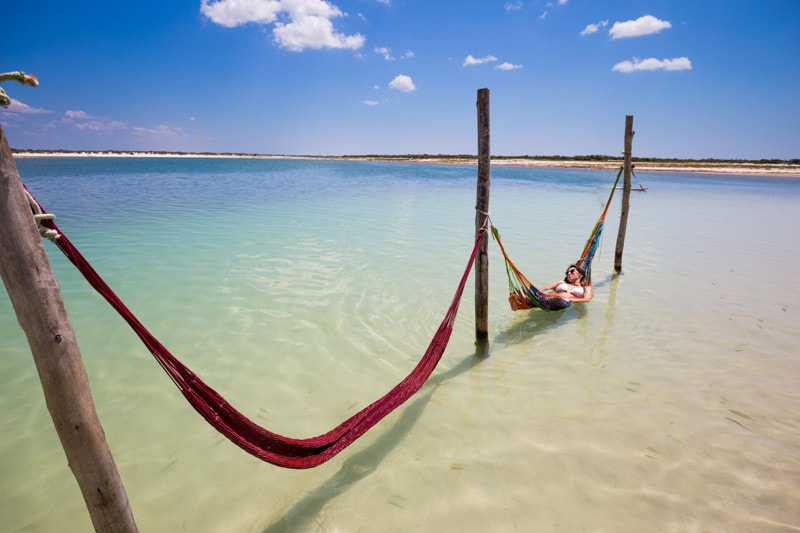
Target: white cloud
[(508, 66), (76, 115), (232, 13), (514, 6), (297, 24), (313, 32), (17, 107), (594, 28), (82, 121), (543, 16), (678, 63), (645, 25), (100, 126), (408, 55), (470, 60), (371, 103), (402, 83), (159, 132), (385, 52)]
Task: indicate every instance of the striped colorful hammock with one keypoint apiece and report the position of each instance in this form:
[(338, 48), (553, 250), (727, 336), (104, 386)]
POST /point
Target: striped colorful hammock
[(524, 295)]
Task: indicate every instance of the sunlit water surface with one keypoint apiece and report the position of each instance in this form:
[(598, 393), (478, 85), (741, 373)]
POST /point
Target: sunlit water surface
[(304, 290)]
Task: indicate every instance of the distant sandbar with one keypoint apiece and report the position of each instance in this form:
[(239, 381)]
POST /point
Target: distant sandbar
[(786, 169)]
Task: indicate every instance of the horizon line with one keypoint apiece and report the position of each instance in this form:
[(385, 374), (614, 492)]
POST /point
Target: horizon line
[(582, 158)]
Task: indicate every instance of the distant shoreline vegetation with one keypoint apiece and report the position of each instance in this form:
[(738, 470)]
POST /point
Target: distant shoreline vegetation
[(457, 158), (713, 165), (577, 158)]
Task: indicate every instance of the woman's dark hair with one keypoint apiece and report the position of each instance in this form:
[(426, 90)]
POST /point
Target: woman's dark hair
[(581, 271)]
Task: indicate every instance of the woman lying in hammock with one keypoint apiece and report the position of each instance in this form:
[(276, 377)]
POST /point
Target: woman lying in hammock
[(574, 287)]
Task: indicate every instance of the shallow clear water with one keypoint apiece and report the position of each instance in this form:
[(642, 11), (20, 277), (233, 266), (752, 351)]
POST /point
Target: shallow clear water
[(304, 290)]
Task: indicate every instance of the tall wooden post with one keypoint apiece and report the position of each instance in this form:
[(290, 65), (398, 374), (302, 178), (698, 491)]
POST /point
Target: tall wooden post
[(626, 193), (481, 212), (37, 301)]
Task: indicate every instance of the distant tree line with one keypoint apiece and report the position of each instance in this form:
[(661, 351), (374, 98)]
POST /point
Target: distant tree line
[(125, 152), (591, 157), (445, 157)]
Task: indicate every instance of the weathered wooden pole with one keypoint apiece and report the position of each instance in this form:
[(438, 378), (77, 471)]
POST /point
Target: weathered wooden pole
[(626, 193), (481, 213), (37, 301)]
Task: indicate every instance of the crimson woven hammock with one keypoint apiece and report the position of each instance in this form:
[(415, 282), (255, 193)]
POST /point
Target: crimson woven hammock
[(523, 294), (268, 446)]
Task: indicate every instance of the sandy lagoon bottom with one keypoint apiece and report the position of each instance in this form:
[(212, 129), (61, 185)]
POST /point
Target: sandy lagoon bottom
[(670, 403)]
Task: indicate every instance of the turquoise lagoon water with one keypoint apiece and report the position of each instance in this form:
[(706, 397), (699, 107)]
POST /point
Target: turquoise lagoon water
[(304, 290)]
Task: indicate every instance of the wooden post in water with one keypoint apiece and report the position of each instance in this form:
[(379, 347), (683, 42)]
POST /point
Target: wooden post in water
[(626, 193), (481, 212), (37, 301)]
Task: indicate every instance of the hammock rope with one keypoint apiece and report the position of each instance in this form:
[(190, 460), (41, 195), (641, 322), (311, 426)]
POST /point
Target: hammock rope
[(271, 447), (523, 294)]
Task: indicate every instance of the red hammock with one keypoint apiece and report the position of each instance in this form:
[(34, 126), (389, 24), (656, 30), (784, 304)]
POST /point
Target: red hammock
[(267, 446)]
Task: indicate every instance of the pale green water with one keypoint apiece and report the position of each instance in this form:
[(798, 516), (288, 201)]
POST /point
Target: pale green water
[(303, 291)]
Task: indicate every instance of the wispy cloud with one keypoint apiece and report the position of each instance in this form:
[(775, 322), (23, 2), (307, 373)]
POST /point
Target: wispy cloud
[(159, 132), (544, 14), (646, 25), (82, 121), (309, 21), (594, 28), (470, 60), (403, 83), (385, 52), (514, 6), (19, 108), (636, 64), (371, 102)]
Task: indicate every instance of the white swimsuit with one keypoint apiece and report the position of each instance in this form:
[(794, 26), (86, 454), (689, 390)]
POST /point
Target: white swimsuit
[(575, 291)]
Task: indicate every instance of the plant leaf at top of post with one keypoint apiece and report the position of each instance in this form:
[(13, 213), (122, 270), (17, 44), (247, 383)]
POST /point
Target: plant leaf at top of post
[(19, 76)]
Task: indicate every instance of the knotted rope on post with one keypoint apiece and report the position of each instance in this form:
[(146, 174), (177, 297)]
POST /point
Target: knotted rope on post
[(39, 216)]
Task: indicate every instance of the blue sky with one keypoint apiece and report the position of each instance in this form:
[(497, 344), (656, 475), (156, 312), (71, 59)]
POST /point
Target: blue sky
[(702, 78)]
